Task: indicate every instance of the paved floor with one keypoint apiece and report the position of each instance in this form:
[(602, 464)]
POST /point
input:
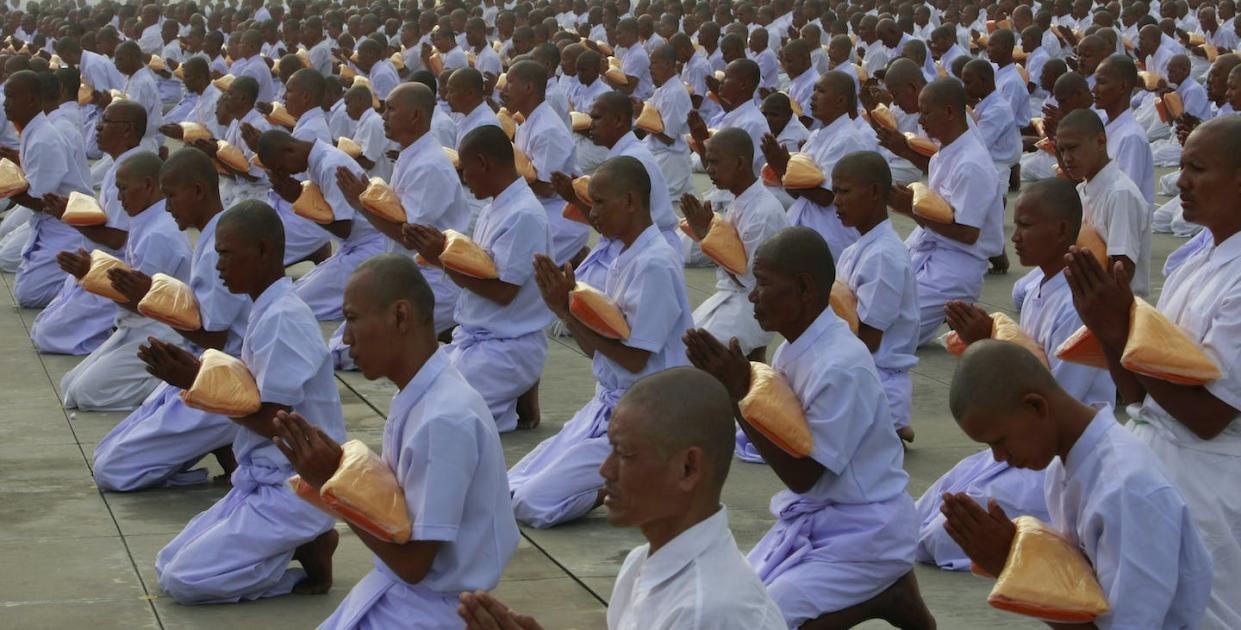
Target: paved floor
[(74, 556)]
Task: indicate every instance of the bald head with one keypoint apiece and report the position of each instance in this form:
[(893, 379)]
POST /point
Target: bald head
[(1083, 121), (388, 278), (1218, 138), (254, 222), (309, 81), (904, 71), (490, 142), (1055, 198), (866, 168), (466, 81), (615, 103), (946, 92), (840, 83), (627, 174), (415, 96), (1123, 68), (188, 166), (746, 70), (140, 165), (734, 141), (531, 72), (995, 376), (800, 250)]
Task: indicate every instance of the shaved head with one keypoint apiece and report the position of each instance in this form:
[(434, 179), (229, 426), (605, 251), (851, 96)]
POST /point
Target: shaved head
[(190, 166), (144, 164), (797, 250), (840, 83), (1123, 66), (414, 95), (255, 221), (1056, 198), (995, 376), (948, 92), (466, 80), (627, 174), (734, 141), (311, 82), (490, 142), (867, 168), (615, 102), (1221, 136), (1082, 120), (388, 278), (903, 71)]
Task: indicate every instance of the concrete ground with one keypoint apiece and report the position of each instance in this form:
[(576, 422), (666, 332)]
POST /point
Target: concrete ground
[(77, 557)]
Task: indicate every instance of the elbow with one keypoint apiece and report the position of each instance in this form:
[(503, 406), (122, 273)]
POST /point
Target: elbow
[(413, 575)]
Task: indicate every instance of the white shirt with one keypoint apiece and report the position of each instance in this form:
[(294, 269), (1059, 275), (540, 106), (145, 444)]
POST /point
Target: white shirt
[(321, 169), (748, 117), (964, 175), (1114, 207), (1128, 147), (660, 203), (757, 215), (696, 581), (672, 101), (636, 63), (444, 128), (768, 66), (997, 130), (878, 271), (481, 116), (801, 89), (1049, 318), (384, 78), (141, 88), (826, 146), (369, 134)]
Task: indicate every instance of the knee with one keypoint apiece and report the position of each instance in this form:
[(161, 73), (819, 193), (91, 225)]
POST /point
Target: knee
[(175, 579), (109, 469), (535, 505)]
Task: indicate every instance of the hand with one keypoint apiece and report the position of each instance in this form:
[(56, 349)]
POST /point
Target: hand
[(984, 535), (713, 84), (263, 108), (426, 52), (351, 185), (697, 214), (76, 264), (970, 322), (890, 139), (250, 135), (54, 205), (172, 131), (393, 154), (426, 240), (1104, 301), (563, 185), (314, 455), (555, 283), (11, 155), (697, 127), (482, 611), (873, 95), (777, 156), (133, 284), (169, 363), (285, 186), (728, 365), (101, 99), (207, 146), (901, 199), (765, 92)]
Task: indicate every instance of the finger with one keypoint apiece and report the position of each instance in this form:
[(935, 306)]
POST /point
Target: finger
[(997, 511)]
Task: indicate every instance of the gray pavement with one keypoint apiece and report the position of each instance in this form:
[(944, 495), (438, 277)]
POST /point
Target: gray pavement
[(75, 557)]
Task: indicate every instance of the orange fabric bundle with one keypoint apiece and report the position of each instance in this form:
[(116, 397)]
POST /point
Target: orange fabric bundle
[(85, 93), (224, 82), (224, 385), (581, 121), (231, 156), (650, 120), (12, 179), (1047, 577), (1022, 72), (501, 81), (575, 213), (351, 148), (310, 494), (1150, 80), (1039, 125), (923, 146), (191, 131), (96, 280), (1003, 328), (311, 204), (507, 122), (581, 188), (83, 210), (772, 407), (379, 198), (1156, 347), (1211, 51), (1019, 55), (525, 167), (172, 302), (1046, 145), (156, 64), (365, 492), (465, 256), (883, 116), (723, 245), (844, 304), (1089, 239), (577, 210), (397, 60), (795, 106), (769, 176), (346, 73), (1169, 107), (862, 77), (604, 47), (366, 83), (802, 173), (452, 157), (280, 116), (598, 313), (929, 205), (616, 75)]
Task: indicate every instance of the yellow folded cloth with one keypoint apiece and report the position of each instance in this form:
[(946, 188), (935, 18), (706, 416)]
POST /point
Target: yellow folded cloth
[(191, 131), (1169, 107), (379, 198), (360, 81), (802, 173), (929, 205), (1020, 55), (1156, 347), (351, 148), (257, 162), (55, 63), (156, 64), (1003, 328), (581, 188), (844, 304), (1088, 238), (597, 312), (501, 81), (923, 146), (452, 156), (1048, 578), (464, 256), (398, 61), (1197, 39), (616, 75), (1021, 70), (304, 56), (1150, 80), (796, 107), (581, 121), (365, 492), (772, 407), (650, 119), (883, 116), (224, 386), (723, 245), (525, 167), (1211, 52), (13, 179), (85, 93), (83, 210), (578, 210), (311, 204), (280, 116), (224, 82), (231, 156), (436, 64), (604, 47), (507, 122), (172, 302), (862, 77), (97, 281), (346, 73), (117, 95)]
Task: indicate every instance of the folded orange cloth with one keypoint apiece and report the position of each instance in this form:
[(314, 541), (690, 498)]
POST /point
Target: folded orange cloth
[(83, 210), (365, 492), (85, 93), (380, 199), (172, 302), (769, 176), (723, 245), (1169, 107), (360, 81), (795, 106), (1089, 239), (525, 167), (1020, 55), (501, 81), (1211, 51), (930, 206), (231, 156), (452, 157), (311, 204), (310, 494), (436, 64), (1150, 80), (347, 74), (1003, 328), (97, 281), (464, 256), (802, 173), (923, 146), (862, 77), (1021, 69), (224, 82), (594, 309), (1039, 125), (616, 75), (351, 148), (1046, 145), (224, 385), (191, 131), (883, 116), (575, 213), (844, 304), (581, 188), (1047, 577), (604, 47), (772, 407), (507, 122), (650, 120), (1156, 347), (581, 121), (281, 116), (13, 179), (397, 60), (156, 64)]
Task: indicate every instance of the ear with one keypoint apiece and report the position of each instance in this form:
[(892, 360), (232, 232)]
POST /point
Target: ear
[(692, 468)]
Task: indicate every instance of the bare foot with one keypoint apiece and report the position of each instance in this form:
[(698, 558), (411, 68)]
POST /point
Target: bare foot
[(528, 416), (316, 558), (906, 434)]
